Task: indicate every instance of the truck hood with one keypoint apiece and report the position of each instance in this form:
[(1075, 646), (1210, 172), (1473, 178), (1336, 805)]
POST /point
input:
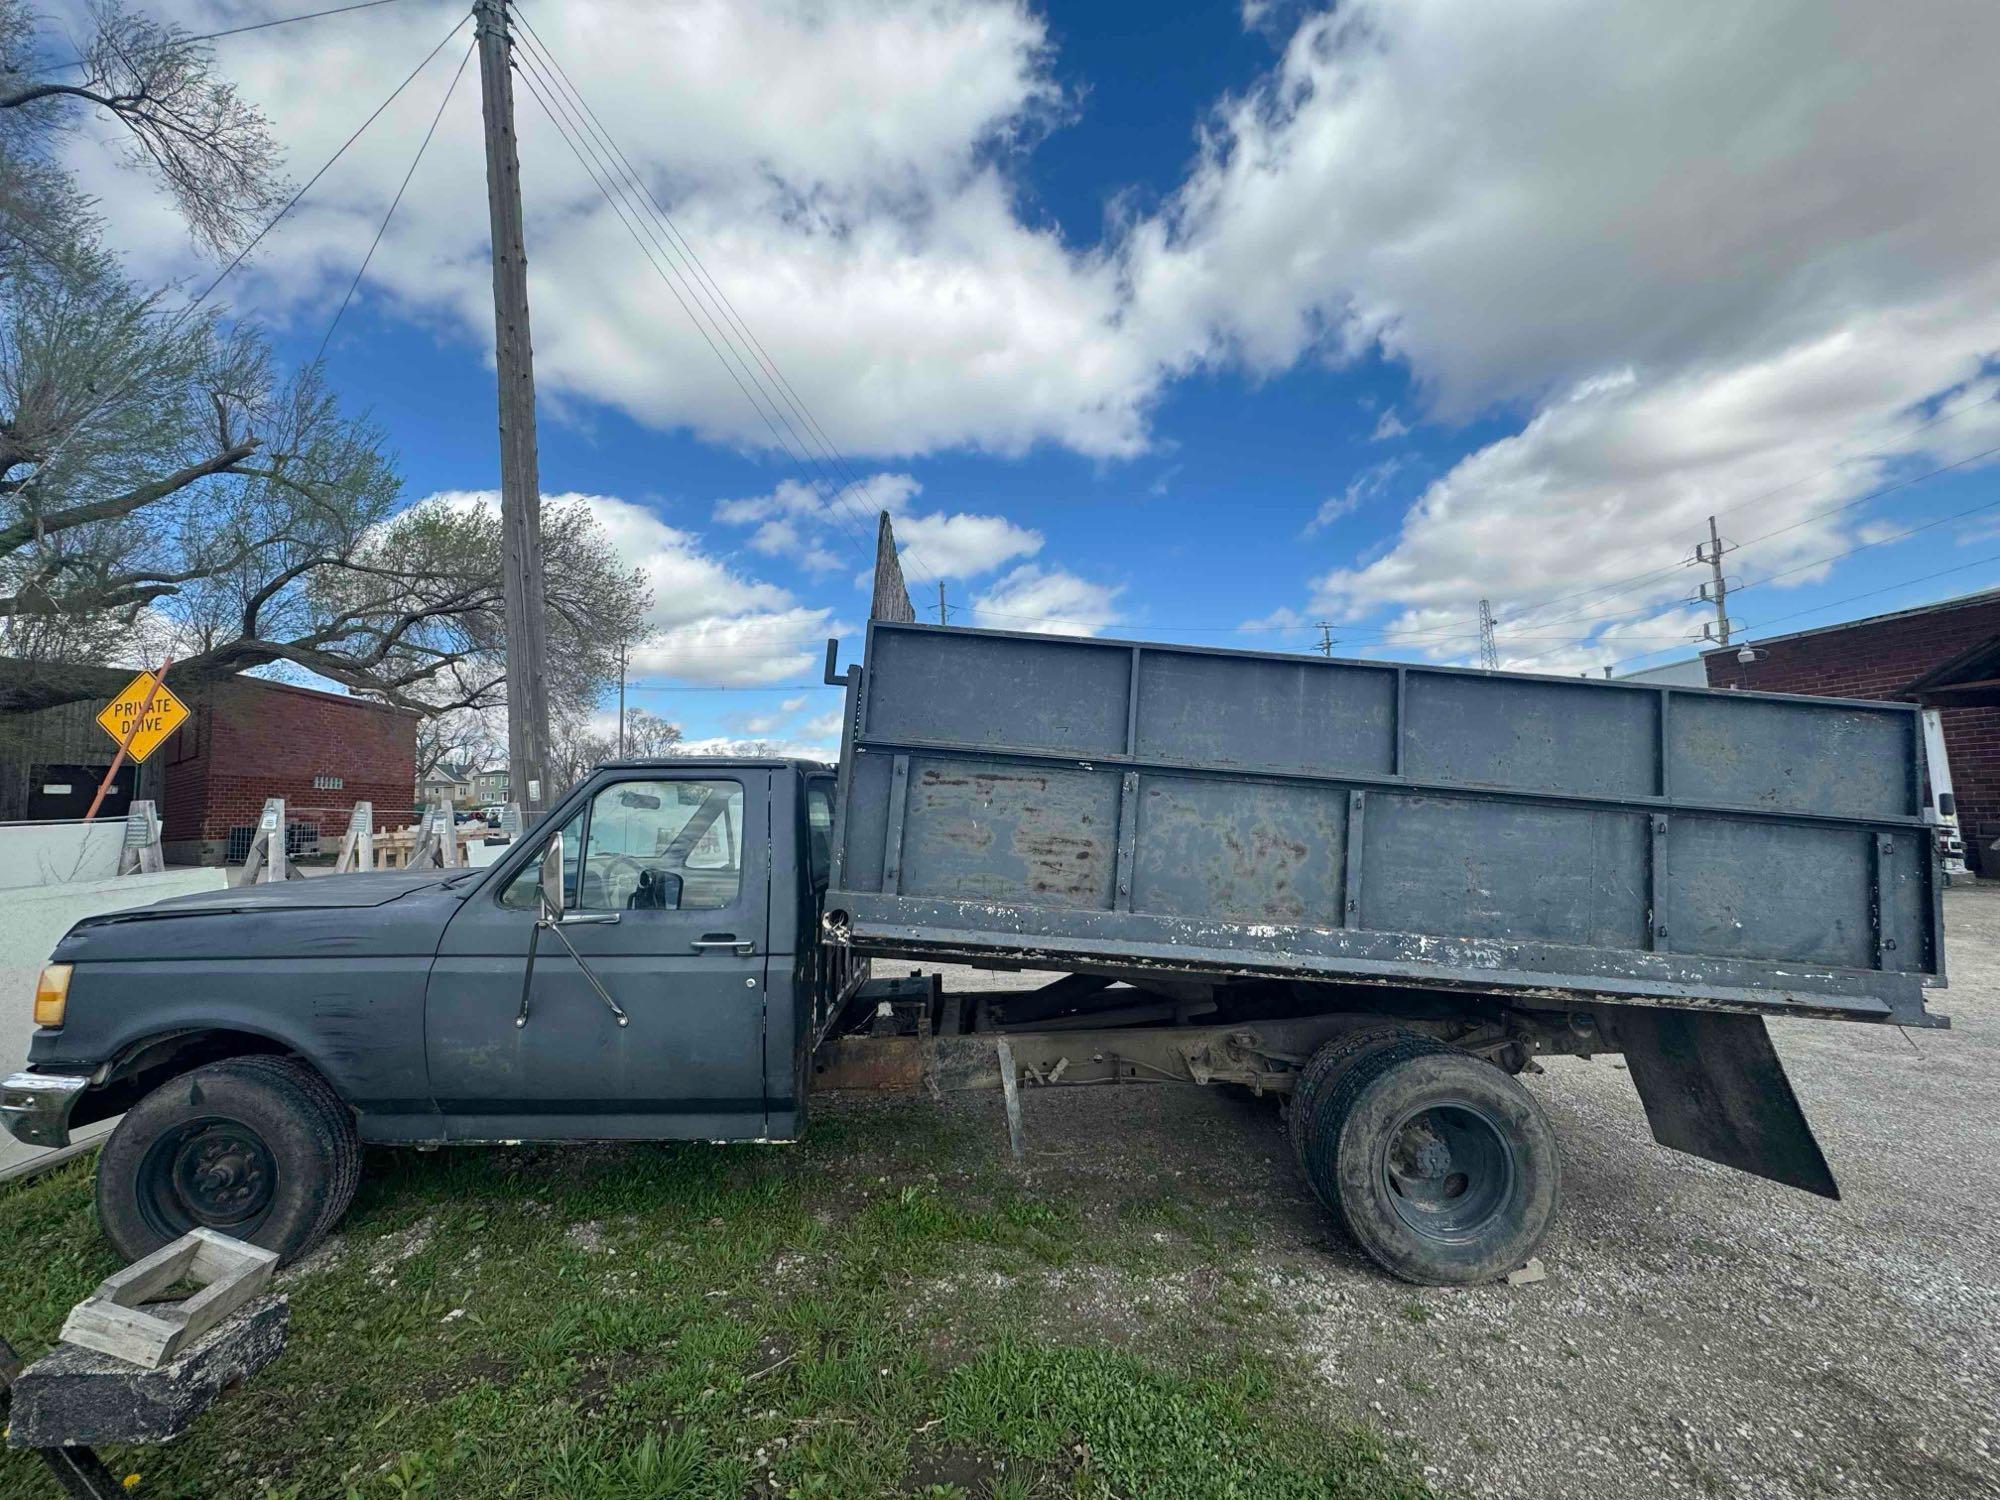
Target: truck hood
[(379, 914), (373, 888)]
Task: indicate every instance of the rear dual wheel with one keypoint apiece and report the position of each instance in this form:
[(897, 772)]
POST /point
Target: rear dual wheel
[(1440, 1166)]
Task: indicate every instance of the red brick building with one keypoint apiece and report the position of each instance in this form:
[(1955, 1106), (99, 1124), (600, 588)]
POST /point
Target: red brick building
[(1879, 658), (249, 739)]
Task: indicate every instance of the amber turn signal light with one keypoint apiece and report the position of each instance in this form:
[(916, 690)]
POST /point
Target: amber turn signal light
[(52, 995)]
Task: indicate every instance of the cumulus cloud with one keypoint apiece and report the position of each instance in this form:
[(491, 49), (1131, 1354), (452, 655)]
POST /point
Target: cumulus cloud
[(843, 171), (801, 522), (1710, 252), (1048, 601), (709, 624), (1713, 258)]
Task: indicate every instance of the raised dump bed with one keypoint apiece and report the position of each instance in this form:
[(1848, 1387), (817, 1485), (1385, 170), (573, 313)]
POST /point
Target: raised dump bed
[(1100, 805)]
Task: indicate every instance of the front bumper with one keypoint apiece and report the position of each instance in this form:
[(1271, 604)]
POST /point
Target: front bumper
[(35, 1107)]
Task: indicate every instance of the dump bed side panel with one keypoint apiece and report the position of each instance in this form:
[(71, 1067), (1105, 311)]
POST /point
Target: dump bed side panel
[(1229, 811)]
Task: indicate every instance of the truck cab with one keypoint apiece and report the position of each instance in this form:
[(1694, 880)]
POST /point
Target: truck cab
[(254, 1038)]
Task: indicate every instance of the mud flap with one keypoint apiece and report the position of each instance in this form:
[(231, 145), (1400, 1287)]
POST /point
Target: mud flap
[(1714, 1088)]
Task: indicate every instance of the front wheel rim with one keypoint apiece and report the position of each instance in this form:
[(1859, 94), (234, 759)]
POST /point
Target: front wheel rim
[(212, 1173), (1449, 1171)]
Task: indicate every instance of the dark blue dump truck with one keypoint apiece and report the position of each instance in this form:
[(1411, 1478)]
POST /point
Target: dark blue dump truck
[(1376, 892)]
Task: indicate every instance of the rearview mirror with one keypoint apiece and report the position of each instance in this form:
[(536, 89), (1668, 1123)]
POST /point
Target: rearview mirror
[(551, 878)]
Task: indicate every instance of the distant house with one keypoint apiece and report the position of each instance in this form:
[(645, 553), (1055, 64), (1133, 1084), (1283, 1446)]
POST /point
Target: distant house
[(489, 786), (444, 784)]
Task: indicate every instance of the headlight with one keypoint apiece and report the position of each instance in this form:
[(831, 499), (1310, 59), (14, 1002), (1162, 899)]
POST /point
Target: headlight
[(52, 995)]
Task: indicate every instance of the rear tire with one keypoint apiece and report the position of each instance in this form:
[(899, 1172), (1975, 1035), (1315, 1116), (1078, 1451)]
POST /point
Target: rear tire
[(1441, 1167), (259, 1148), (1325, 1069)]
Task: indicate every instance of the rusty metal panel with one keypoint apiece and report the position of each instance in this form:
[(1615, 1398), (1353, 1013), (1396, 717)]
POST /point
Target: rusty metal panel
[(1263, 852), (989, 830), (1522, 833)]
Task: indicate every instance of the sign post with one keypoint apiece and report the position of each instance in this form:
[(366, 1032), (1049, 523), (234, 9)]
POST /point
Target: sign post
[(140, 718)]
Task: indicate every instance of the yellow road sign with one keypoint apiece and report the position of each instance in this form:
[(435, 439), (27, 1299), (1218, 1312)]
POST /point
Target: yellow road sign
[(163, 715)]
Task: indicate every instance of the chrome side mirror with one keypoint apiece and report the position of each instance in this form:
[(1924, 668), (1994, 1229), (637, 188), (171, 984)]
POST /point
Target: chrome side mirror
[(551, 879)]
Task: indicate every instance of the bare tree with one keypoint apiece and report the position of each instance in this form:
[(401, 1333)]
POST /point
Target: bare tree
[(212, 152), (163, 486), (458, 737), (649, 734)]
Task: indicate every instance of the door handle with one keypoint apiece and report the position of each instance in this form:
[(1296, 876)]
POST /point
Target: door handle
[(742, 946), (587, 918)]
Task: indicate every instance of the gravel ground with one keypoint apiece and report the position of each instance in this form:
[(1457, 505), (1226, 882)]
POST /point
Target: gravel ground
[(1701, 1332)]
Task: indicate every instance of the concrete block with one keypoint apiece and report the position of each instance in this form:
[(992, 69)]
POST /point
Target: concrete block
[(79, 1397)]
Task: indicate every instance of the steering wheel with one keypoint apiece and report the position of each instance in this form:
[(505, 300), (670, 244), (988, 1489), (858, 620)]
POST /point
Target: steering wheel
[(621, 879)]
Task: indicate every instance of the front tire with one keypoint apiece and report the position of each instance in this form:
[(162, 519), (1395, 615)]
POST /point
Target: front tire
[(259, 1148), (1441, 1167)]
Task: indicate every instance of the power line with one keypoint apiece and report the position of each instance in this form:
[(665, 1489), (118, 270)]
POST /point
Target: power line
[(210, 36), (721, 311), (394, 203), (717, 296), (1888, 588), (536, 82), (678, 281)]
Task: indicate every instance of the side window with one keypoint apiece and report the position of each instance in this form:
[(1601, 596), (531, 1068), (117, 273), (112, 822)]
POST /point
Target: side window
[(819, 828), (521, 890), (663, 845)]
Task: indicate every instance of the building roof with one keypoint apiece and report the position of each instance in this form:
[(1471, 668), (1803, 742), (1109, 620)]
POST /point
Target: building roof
[(1962, 601), (1970, 679), (349, 700)]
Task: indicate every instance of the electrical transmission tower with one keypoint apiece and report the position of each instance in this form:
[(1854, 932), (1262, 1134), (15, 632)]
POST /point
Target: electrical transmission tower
[(1325, 637), (1716, 591), (1489, 653)]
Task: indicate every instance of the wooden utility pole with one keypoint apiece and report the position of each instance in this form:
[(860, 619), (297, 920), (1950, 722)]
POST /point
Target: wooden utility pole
[(1719, 632), (520, 476), (944, 613)]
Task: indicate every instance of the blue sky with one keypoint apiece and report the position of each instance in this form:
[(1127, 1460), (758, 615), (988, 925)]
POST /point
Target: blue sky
[(1195, 326)]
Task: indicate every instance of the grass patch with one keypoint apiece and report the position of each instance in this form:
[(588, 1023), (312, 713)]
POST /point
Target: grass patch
[(881, 1311)]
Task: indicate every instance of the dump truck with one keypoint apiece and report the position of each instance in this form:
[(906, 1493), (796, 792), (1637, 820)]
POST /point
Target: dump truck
[(1375, 893)]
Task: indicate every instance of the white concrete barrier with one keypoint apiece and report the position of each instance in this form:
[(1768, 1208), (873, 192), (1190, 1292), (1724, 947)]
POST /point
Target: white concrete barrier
[(36, 854), (31, 924)]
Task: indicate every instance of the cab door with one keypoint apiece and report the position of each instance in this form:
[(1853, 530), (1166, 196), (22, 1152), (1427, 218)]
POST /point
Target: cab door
[(666, 885)]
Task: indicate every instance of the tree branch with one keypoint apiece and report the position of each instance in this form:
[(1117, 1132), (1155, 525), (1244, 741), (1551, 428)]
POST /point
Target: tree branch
[(27, 529)]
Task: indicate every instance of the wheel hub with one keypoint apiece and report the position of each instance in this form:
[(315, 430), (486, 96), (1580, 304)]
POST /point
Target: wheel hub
[(216, 1174), (1449, 1170)]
